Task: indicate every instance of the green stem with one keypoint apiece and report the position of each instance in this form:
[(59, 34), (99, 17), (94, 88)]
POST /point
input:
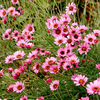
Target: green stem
[(97, 97), (59, 95), (55, 95)]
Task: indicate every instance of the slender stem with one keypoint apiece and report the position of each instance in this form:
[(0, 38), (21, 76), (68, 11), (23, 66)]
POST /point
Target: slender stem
[(59, 95), (97, 97), (55, 95)]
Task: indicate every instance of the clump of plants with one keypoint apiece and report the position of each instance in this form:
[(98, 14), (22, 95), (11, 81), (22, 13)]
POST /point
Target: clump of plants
[(61, 65)]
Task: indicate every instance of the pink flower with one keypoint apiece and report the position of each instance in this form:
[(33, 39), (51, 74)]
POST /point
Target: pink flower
[(33, 55), (67, 66), (48, 80), (54, 85), (84, 98), (73, 77), (84, 48), (1, 72), (21, 43), (6, 36), (50, 60), (60, 40), (55, 25), (93, 87), (23, 98), (15, 34), (64, 21), (73, 59), (9, 59), (57, 32), (21, 68), (3, 13), (54, 69), (98, 66), (21, 11), (14, 1), (30, 28), (71, 8), (16, 13), (18, 55), (36, 67), (61, 52), (47, 52), (10, 88), (28, 37), (96, 33), (28, 61), (18, 87), (82, 28), (90, 39), (41, 98), (25, 32), (8, 31), (46, 66), (10, 69), (4, 20), (80, 80), (16, 73), (29, 45), (11, 10)]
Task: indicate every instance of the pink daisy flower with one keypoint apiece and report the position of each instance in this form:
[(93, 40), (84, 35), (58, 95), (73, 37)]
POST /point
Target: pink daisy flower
[(28, 61), (18, 55), (65, 16), (6, 36), (60, 40), (30, 28), (16, 13), (96, 32), (98, 66), (67, 66), (93, 87), (29, 45), (10, 88), (3, 13), (74, 25), (53, 19), (64, 21), (33, 55), (82, 28), (28, 37), (4, 20), (8, 31), (11, 10), (57, 32), (84, 48), (73, 77), (55, 25), (61, 62), (61, 52), (80, 80), (50, 60), (73, 59), (25, 32), (36, 67), (22, 69), (42, 52), (46, 67), (15, 34), (70, 40), (49, 24), (90, 39), (84, 98), (71, 8), (54, 85), (77, 37), (23, 98), (40, 98), (16, 73), (21, 43), (1, 72), (9, 59), (14, 1), (54, 69), (18, 87)]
